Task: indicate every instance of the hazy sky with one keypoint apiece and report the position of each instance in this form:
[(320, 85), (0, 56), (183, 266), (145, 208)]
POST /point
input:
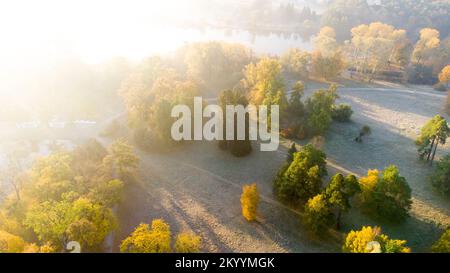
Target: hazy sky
[(92, 29)]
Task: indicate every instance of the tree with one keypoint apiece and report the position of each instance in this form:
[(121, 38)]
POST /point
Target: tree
[(388, 196), (360, 242), (292, 150), (444, 76), (327, 60), (121, 159), (317, 213), (146, 239), (249, 201), (107, 193), (432, 133), (187, 243), (338, 194), (52, 176), (64, 221), (327, 68), (264, 83), (215, 64), (374, 47), (237, 147), (302, 178), (441, 176), (296, 107), (429, 41), (319, 108), (325, 42), (443, 244), (295, 62)]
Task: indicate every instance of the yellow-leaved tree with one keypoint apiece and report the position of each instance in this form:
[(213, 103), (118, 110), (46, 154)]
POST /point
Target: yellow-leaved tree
[(146, 239), (187, 243), (249, 201), (371, 240), (444, 76)]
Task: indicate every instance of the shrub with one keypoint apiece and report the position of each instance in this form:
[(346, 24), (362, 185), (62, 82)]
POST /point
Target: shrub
[(440, 87), (249, 201), (420, 74), (342, 112)]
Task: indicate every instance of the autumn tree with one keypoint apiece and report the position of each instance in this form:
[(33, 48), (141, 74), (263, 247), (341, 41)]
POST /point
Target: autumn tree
[(444, 76), (149, 94), (237, 147), (373, 47), (295, 63), (296, 108), (302, 178), (146, 239), (318, 216), (327, 60), (214, 65), (370, 239), (264, 83), (187, 243), (121, 159), (338, 194), (429, 41), (443, 244), (67, 196), (249, 201), (387, 196), (433, 133)]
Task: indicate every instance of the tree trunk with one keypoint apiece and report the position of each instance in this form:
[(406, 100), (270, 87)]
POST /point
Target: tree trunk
[(434, 152), (338, 220), (431, 149)]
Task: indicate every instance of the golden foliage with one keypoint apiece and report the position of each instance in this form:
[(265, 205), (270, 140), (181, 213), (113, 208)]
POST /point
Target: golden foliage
[(148, 240), (249, 201), (187, 243)]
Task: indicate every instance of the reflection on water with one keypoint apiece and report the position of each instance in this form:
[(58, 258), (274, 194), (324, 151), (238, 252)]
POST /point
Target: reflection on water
[(167, 39)]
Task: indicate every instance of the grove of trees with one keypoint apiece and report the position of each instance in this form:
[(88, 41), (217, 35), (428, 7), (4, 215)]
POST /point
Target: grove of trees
[(67, 196)]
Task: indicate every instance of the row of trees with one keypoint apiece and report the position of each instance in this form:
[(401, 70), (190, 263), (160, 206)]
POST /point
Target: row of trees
[(375, 50), (67, 196)]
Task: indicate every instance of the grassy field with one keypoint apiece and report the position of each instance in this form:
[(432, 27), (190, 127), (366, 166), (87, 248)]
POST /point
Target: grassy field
[(197, 187)]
